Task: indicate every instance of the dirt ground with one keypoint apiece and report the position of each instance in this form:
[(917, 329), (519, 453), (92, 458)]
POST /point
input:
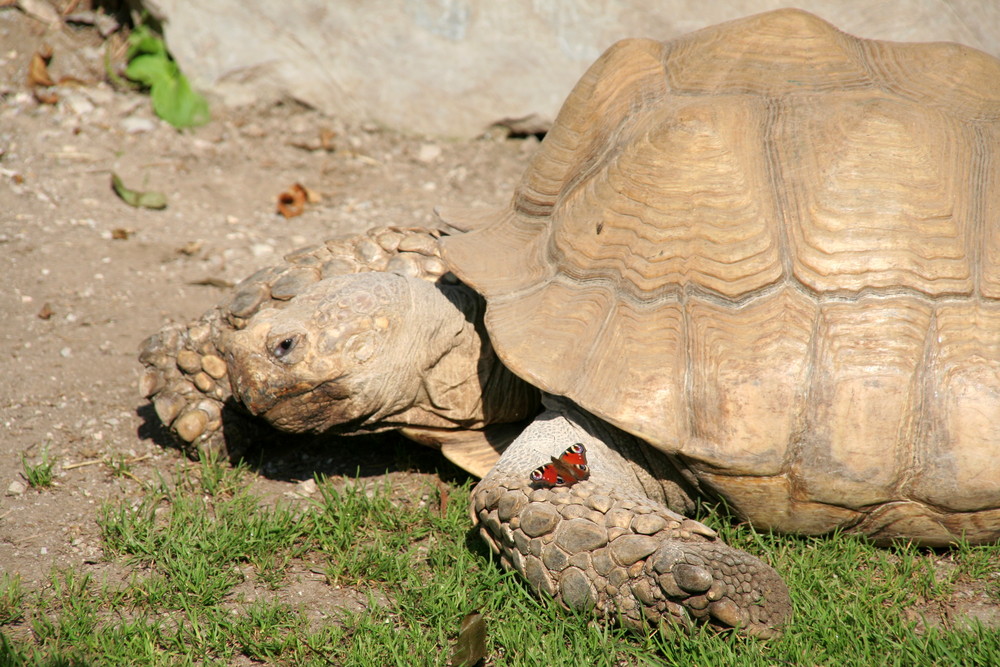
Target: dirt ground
[(88, 277)]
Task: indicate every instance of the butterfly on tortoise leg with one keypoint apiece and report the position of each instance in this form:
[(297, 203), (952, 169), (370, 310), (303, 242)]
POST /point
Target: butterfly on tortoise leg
[(570, 468)]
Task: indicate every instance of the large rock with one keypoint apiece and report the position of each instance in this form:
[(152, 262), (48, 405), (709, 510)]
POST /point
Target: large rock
[(453, 67)]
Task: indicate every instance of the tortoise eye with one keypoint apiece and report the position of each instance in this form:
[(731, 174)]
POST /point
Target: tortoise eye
[(284, 347)]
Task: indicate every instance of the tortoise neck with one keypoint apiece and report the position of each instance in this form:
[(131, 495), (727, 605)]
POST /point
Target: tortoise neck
[(453, 378), (464, 385)]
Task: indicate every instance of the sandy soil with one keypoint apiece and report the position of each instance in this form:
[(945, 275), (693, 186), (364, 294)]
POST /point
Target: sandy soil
[(87, 277)]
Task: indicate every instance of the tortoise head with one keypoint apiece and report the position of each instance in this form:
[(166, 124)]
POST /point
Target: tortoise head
[(353, 353)]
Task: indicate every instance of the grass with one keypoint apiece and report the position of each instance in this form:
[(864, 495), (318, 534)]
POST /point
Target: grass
[(39, 475), (11, 599), (213, 570)]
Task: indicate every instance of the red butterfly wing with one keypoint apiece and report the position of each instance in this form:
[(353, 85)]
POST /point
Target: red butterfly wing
[(546, 475), (570, 468), (575, 456)]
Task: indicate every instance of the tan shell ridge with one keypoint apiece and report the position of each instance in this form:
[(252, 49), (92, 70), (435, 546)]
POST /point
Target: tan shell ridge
[(772, 248)]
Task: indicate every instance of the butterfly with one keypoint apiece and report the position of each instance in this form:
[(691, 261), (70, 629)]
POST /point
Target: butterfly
[(566, 470)]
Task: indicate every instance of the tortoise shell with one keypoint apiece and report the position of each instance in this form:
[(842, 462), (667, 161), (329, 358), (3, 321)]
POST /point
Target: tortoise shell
[(772, 250)]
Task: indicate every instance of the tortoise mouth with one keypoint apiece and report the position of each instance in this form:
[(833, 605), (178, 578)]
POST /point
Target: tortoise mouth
[(299, 406), (286, 415), (296, 409), (256, 384)]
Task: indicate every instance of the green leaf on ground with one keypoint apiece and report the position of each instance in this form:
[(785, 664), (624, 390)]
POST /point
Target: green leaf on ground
[(173, 98), (148, 199)]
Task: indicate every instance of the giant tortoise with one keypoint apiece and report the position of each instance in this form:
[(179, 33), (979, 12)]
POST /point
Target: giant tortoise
[(759, 263)]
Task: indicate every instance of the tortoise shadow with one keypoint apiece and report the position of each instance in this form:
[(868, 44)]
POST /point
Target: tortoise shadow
[(290, 457)]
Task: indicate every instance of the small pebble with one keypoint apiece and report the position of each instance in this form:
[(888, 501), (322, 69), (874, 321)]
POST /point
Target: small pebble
[(66, 352), (16, 488), (99, 95), (135, 125), (428, 153), (78, 104), (306, 488), (261, 249)]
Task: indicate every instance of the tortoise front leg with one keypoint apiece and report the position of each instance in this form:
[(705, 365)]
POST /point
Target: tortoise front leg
[(605, 544)]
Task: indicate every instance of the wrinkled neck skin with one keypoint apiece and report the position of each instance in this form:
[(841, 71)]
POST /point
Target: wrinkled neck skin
[(456, 379), (617, 459)]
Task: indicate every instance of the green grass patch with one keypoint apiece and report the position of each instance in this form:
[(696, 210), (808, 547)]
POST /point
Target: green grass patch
[(213, 568), (39, 475), (118, 465), (11, 599)]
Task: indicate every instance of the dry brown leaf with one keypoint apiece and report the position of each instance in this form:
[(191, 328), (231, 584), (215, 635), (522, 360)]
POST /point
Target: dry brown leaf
[(38, 76), (470, 649), (120, 234), (38, 70), (292, 202), (46, 312)]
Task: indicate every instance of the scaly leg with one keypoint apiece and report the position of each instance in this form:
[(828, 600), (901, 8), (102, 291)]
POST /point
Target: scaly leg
[(608, 544)]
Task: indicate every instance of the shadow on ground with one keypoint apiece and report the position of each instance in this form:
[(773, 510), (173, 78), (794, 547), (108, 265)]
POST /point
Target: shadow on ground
[(287, 457)]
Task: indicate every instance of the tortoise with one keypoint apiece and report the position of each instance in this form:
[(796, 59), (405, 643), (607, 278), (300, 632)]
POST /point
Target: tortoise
[(759, 263)]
